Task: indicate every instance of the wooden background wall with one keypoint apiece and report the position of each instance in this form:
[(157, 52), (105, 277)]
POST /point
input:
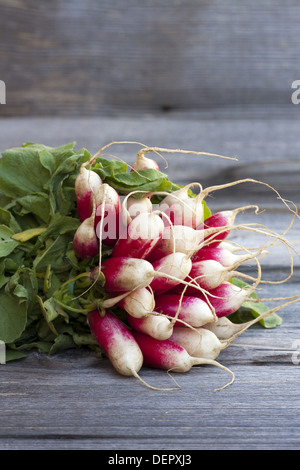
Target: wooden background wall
[(106, 57)]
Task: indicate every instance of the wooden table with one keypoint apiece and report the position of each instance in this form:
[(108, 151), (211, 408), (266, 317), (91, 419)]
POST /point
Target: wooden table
[(76, 401)]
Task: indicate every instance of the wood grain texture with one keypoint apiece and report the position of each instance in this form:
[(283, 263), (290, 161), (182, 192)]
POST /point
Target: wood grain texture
[(76, 401), (99, 58)]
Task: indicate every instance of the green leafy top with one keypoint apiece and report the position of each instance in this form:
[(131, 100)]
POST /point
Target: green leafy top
[(253, 309)]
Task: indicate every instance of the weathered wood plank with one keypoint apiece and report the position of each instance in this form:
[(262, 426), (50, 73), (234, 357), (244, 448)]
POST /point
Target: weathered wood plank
[(102, 58), (77, 401), (266, 149)]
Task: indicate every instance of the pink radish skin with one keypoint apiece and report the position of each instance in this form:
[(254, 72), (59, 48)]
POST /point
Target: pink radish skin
[(177, 265), (108, 196), (86, 183), (85, 241), (193, 310), (220, 254), (140, 236), (138, 303), (117, 342), (199, 342), (184, 239), (156, 326)]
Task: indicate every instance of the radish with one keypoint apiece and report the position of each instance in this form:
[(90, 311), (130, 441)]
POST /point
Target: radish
[(144, 163), (227, 298), (86, 183), (223, 222), (132, 207), (138, 303), (192, 310), (220, 253), (198, 342), (167, 355), (209, 274), (182, 209), (107, 223), (179, 238), (85, 241), (177, 265), (223, 328), (117, 342), (140, 236), (124, 274), (154, 325), (230, 246)]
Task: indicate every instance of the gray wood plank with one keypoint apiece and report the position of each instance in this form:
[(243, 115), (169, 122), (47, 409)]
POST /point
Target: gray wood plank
[(102, 58), (76, 401), (266, 149)]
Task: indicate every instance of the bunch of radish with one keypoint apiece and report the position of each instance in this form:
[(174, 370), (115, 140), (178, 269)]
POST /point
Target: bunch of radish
[(168, 270)]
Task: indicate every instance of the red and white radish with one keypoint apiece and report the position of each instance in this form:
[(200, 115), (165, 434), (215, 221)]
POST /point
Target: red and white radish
[(227, 298), (138, 303), (173, 268), (117, 342), (178, 238), (144, 163), (107, 215), (140, 236), (86, 183), (198, 342), (154, 325), (85, 241), (192, 310), (167, 355), (209, 274), (221, 254), (124, 274)]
